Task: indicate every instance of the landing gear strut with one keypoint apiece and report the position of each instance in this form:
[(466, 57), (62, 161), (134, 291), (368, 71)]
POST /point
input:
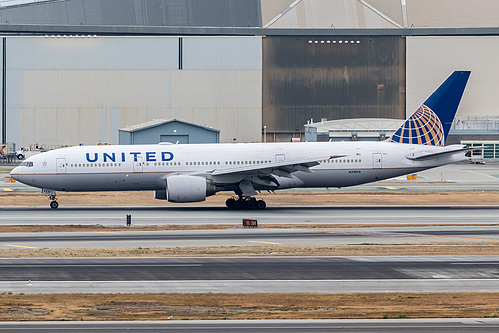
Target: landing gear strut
[(53, 204), (247, 203)]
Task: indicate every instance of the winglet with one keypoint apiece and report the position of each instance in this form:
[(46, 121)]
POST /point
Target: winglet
[(431, 122)]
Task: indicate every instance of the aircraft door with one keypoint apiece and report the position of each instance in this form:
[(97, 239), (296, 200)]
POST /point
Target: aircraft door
[(279, 157), (61, 165), (138, 165), (377, 161)]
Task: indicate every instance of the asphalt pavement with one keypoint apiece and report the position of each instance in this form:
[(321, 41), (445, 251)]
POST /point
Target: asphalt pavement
[(451, 325), (251, 274), (239, 236)]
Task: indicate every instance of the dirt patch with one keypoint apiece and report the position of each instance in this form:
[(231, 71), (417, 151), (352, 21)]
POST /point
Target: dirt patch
[(291, 198), (91, 307), (414, 249)]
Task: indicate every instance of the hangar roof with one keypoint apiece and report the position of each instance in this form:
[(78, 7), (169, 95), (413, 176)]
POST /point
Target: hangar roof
[(158, 122)]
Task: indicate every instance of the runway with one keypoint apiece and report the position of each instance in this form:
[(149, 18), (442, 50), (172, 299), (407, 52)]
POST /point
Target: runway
[(252, 274), (116, 216), (273, 326)]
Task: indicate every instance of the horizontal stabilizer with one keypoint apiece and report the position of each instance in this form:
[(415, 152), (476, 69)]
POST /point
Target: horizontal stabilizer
[(449, 150)]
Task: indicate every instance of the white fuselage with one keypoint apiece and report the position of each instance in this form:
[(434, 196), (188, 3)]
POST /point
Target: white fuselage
[(146, 167)]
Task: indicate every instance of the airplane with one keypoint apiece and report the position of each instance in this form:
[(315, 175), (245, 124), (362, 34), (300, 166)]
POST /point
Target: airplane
[(190, 173)]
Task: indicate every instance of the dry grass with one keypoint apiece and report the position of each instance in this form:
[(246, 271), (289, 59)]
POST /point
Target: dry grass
[(246, 306), (409, 249), (305, 198)]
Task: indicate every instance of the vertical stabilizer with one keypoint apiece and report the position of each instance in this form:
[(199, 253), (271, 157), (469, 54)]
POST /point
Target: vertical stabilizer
[(431, 122)]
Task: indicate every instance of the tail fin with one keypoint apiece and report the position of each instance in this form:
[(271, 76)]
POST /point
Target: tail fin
[(431, 122)]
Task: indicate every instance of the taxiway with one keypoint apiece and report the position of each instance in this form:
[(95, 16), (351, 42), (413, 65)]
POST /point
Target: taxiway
[(454, 325)]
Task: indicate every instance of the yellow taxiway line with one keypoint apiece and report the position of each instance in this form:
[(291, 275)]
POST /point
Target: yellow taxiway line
[(26, 247), (264, 242)]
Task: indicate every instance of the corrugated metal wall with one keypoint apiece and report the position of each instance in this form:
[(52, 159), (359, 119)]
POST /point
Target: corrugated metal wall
[(205, 13), (65, 91), (431, 59), (333, 78), (452, 13), (356, 14), (330, 14)]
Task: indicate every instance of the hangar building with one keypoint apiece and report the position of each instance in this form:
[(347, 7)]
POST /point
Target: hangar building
[(172, 131), (76, 71)]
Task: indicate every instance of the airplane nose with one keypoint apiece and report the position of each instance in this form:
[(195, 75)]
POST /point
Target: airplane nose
[(15, 173)]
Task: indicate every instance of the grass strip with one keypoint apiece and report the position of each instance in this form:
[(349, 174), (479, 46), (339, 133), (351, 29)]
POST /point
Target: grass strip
[(407, 249), (162, 306)]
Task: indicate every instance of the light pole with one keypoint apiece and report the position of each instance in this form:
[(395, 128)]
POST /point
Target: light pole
[(265, 134)]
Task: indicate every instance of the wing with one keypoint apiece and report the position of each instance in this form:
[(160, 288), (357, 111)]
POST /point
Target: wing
[(247, 176)]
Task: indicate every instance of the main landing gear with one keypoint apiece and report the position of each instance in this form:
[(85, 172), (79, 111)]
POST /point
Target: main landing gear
[(245, 203)]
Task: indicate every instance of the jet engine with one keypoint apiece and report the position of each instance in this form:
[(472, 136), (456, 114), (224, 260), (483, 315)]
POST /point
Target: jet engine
[(181, 188)]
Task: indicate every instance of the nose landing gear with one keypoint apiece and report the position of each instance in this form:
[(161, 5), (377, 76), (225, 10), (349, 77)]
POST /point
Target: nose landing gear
[(53, 204), (246, 203)]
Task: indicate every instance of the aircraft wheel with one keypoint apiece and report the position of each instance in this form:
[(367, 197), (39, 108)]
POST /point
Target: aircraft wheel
[(240, 204), (230, 203), (54, 204), (251, 203), (260, 204)]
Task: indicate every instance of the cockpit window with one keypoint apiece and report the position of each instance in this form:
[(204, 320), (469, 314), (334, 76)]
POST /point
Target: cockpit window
[(26, 164)]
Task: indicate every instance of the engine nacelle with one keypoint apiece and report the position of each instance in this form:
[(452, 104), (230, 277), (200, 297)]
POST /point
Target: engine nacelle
[(182, 188)]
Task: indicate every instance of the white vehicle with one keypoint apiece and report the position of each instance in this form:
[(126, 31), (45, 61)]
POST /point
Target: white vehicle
[(20, 154), (190, 173)]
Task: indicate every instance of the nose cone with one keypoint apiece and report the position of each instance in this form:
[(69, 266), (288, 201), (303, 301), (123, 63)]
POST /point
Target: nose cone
[(15, 173)]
